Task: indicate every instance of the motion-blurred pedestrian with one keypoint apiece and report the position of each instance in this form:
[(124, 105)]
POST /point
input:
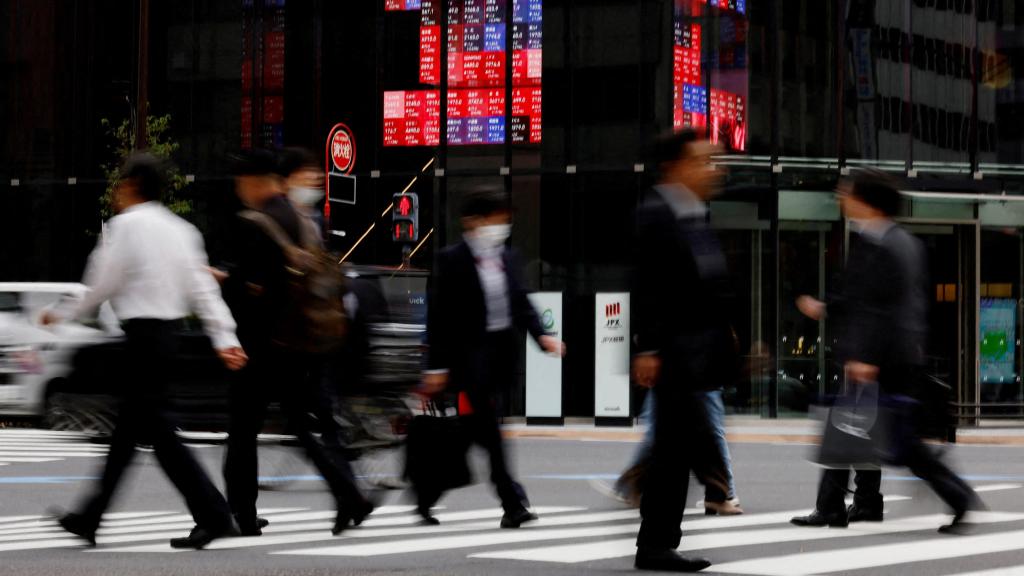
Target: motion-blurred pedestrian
[(880, 312), (478, 301), (152, 266), (686, 348), (304, 183), (259, 287)]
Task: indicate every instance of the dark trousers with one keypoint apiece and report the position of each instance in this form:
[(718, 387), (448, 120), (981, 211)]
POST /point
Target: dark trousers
[(833, 487), (923, 463), (275, 373), (494, 369), (673, 456), (143, 418)]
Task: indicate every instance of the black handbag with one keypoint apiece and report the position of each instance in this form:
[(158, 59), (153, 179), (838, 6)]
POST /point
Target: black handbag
[(437, 448), (866, 429)]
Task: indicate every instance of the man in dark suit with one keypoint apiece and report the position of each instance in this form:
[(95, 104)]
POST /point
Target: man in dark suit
[(477, 304), (255, 285), (880, 313), (684, 342)]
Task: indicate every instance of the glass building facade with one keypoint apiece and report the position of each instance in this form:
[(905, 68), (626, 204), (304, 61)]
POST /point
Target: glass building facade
[(556, 101)]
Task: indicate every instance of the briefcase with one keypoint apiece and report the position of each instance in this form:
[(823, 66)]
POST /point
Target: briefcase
[(437, 453)]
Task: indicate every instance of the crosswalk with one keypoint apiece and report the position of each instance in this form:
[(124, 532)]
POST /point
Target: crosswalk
[(760, 544), (25, 446)]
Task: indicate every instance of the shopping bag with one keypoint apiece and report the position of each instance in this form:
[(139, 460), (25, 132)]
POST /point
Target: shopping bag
[(847, 440), (436, 453)]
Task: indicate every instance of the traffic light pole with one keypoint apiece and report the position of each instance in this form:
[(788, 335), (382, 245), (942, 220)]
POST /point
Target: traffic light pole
[(407, 255)]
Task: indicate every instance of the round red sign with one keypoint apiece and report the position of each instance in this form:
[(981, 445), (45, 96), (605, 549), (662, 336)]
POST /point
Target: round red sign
[(342, 149)]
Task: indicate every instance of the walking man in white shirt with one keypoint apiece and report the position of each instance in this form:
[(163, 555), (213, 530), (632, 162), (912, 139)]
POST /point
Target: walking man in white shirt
[(152, 267)]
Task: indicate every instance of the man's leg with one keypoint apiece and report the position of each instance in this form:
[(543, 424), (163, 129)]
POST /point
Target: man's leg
[(486, 433), (956, 493), (716, 469), (867, 499), (153, 359), (248, 405), (119, 457), (830, 508), (832, 491), (667, 481), (329, 459)]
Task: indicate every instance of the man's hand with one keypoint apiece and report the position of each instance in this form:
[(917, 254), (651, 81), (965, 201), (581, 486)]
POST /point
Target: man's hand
[(553, 346), (811, 307), (861, 373), (49, 318), (219, 275), (434, 383), (234, 358), (646, 368)]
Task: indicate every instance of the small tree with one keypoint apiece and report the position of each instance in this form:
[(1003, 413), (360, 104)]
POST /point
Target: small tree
[(161, 145)]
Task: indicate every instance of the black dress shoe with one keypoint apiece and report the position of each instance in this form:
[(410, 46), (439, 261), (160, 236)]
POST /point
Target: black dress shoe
[(254, 527), (75, 524), (668, 560), (857, 514), (427, 519), (346, 517), (201, 537), (517, 518), (816, 518), (958, 526)]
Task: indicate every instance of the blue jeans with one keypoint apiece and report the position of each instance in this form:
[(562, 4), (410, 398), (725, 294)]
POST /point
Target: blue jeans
[(718, 471)]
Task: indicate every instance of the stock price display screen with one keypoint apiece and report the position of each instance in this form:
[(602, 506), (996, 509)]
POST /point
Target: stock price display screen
[(696, 105), (478, 86)]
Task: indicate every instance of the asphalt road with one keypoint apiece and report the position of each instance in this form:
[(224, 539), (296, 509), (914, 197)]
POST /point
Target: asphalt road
[(581, 531)]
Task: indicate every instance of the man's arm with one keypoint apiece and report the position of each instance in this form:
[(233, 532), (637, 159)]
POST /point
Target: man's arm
[(207, 302)]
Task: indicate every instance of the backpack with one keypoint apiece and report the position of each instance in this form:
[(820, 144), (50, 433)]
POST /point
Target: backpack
[(314, 319)]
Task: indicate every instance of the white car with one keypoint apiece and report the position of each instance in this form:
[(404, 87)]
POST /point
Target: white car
[(35, 360)]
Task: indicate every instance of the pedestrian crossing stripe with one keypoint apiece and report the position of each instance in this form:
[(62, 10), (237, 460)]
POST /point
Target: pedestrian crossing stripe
[(572, 554), (847, 559), (374, 527), (598, 535)]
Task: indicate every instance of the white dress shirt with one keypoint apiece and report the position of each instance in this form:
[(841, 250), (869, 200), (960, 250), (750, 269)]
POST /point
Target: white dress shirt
[(490, 268), (152, 264)]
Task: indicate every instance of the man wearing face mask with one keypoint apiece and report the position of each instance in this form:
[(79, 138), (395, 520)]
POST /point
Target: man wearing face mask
[(478, 301), (304, 181)]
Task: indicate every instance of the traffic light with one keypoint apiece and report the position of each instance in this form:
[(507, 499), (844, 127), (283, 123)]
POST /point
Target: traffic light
[(405, 218)]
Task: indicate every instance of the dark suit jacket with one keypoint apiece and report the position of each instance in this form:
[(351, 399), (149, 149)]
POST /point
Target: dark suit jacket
[(880, 307), (680, 298), (256, 287), (457, 315)]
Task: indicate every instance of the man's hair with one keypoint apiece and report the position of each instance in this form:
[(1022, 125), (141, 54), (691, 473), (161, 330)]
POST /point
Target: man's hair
[(876, 189), (147, 172), (294, 160), (672, 147), (254, 162), (484, 201)]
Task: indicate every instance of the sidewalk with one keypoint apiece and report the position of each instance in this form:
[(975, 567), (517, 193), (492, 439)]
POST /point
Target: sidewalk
[(753, 430)]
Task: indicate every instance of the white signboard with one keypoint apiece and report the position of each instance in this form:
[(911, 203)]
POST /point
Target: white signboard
[(611, 355), (544, 371)]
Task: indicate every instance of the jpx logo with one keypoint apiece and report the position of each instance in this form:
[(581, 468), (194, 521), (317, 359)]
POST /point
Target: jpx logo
[(612, 313)]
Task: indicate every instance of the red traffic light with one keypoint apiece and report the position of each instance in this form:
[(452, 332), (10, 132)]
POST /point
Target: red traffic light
[(404, 206)]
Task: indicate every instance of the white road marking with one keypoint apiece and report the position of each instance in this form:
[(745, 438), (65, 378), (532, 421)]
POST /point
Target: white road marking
[(574, 553), (997, 487), (373, 528), (849, 559)]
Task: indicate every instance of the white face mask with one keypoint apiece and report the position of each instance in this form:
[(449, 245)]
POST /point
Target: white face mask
[(305, 197), (490, 237)]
